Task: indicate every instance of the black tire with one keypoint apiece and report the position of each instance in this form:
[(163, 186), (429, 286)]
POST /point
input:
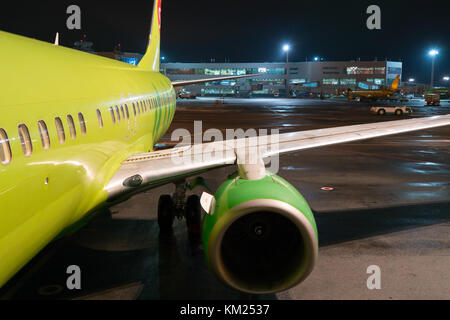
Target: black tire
[(381, 112), (193, 214), (398, 112), (165, 213)]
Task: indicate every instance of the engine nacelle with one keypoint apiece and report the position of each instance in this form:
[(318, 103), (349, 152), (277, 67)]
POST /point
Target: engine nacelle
[(260, 237)]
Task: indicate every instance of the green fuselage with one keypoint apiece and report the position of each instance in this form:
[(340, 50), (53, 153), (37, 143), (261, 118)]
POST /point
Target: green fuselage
[(57, 185)]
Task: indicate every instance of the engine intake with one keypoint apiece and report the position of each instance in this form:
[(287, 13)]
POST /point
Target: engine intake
[(261, 237)]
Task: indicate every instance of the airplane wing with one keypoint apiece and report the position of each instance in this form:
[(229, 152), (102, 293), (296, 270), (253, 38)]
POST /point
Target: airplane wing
[(178, 84), (145, 171)]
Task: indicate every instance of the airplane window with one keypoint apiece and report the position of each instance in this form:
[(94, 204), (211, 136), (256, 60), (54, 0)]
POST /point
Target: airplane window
[(5, 149), (113, 117), (82, 123), (44, 135), (73, 132), (100, 119), (123, 112), (25, 140), (134, 109), (118, 113), (60, 130), (127, 112)]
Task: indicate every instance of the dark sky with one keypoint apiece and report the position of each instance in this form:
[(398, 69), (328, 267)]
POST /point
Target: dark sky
[(247, 30)]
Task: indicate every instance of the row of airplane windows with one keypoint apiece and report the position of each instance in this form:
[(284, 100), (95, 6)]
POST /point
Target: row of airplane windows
[(138, 108), (25, 138), (117, 114)]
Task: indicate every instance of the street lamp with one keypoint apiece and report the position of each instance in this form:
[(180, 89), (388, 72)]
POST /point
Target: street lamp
[(286, 49), (411, 79), (316, 58), (433, 53), (446, 78)]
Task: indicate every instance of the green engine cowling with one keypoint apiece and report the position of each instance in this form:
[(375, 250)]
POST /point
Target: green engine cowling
[(260, 237)]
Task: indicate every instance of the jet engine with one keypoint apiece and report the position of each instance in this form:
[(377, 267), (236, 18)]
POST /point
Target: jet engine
[(260, 236)]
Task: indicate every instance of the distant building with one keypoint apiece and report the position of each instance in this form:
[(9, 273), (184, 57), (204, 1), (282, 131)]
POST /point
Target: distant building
[(128, 57), (325, 77), (85, 46), (332, 77)]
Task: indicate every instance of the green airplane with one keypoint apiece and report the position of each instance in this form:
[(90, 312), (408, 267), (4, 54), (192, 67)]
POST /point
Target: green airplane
[(77, 135)]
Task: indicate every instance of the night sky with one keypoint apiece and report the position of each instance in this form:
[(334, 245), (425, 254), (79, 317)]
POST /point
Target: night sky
[(251, 31)]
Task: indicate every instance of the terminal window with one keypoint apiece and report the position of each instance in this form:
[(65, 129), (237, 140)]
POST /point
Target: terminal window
[(218, 91), (376, 81), (220, 72), (267, 82), (348, 81), (180, 71), (394, 70), (296, 81), (331, 81), (381, 70), (266, 70)]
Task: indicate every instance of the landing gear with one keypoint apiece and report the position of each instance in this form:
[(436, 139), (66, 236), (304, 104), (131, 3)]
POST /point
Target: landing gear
[(176, 206)]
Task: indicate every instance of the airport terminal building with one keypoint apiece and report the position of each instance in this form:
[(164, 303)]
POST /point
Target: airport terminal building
[(327, 77), (318, 77)]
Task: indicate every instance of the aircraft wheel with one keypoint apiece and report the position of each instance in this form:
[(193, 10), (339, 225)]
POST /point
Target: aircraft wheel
[(165, 212), (193, 215)]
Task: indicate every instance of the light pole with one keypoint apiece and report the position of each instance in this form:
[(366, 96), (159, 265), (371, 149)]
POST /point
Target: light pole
[(286, 49), (433, 53)]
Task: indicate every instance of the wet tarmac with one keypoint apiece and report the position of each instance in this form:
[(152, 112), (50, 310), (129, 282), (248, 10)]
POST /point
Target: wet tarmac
[(389, 206)]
